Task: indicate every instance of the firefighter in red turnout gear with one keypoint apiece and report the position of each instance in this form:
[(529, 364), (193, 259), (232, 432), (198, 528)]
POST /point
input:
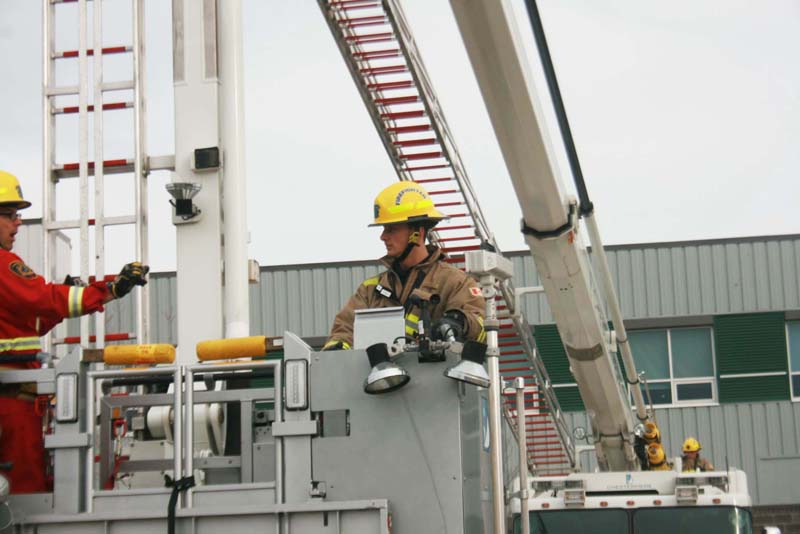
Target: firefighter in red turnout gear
[(30, 307)]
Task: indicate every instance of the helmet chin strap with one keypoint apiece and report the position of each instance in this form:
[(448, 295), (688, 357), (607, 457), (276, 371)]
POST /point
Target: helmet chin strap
[(413, 241)]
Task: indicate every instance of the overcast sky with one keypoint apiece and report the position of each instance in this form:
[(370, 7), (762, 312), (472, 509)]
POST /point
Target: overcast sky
[(686, 118)]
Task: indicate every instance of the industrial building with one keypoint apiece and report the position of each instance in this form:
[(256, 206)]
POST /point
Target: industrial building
[(715, 325)]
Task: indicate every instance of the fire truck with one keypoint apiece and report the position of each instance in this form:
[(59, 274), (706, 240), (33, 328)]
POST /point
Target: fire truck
[(239, 433)]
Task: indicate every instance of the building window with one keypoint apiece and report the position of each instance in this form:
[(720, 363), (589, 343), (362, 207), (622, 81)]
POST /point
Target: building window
[(678, 364), (793, 338)]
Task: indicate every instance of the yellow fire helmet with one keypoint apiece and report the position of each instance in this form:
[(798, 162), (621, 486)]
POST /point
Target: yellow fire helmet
[(651, 433), (655, 454), (691, 445), (11, 192), (405, 202)]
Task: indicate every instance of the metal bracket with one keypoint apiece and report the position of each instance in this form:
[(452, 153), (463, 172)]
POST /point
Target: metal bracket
[(66, 441), (295, 428)]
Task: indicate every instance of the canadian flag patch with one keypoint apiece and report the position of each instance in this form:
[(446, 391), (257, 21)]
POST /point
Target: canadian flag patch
[(476, 291)]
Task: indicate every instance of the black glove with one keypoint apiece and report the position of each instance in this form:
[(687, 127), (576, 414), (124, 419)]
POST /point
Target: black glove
[(453, 323), (133, 274)]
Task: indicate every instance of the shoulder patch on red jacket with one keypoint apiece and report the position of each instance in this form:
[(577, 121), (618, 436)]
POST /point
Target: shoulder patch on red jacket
[(475, 291), (21, 270)]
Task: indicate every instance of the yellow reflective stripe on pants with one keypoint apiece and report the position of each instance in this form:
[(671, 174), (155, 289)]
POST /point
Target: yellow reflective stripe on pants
[(75, 301), (20, 343), (412, 324)]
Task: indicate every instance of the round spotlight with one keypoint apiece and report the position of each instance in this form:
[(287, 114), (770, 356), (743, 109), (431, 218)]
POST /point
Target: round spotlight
[(385, 376), (470, 368)]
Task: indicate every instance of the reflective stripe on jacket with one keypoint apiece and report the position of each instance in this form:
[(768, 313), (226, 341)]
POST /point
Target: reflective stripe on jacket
[(30, 307), (457, 291)]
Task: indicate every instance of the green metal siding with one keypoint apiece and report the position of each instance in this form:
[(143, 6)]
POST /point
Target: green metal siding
[(569, 398), (754, 389), (751, 343), (551, 349)]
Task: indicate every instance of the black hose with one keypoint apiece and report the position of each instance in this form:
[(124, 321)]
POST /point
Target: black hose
[(182, 484), (586, 206)]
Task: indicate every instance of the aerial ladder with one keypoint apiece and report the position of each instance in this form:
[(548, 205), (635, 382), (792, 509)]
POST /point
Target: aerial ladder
[(82, 123), (551, 226), (626, 438), (381, 55)]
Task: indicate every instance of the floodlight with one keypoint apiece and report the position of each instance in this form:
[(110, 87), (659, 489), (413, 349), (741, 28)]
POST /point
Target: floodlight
[(385, 376), (470, 368), (183, 193)]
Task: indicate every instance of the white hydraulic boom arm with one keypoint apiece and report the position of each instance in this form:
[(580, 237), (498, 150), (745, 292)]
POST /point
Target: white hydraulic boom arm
[(550, 224)]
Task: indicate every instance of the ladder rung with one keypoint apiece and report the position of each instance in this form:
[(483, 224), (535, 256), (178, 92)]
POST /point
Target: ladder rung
[(90, 51), (432, 180), (550, 449), (395, 115), (76, 223), (460, 238), (394, 100), (106, 163), (377, 54), (74, 89), (443, 192), (118, 86), (457, 227), (551, 462), (410, 129), (347, 5), (106, 107), (373, 20), (417, 142), (71, 340), (511, 352), (370, 37), (421, 155), (461, 249), (428, 167), (389, 69), (514, 369), (541, 437), (538, 456), (446, 204), (389, 86), (456, 215)]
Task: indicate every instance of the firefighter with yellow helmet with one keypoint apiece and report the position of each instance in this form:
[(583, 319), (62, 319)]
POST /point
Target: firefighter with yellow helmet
[(691, 460), (30, 307), (407, 214)]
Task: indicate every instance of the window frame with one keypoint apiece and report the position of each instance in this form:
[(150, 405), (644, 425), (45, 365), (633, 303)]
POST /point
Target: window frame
[(792, 372), (675, 382)]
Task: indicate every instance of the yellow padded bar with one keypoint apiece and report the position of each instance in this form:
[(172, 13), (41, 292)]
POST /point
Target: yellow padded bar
[(139, 354), (227, 349)]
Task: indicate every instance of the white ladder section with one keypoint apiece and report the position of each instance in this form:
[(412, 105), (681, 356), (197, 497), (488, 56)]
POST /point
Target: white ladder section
[(382, 58), (93, 98)]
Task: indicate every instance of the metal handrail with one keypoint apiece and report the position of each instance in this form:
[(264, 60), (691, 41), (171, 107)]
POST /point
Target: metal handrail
[(177, 433)]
